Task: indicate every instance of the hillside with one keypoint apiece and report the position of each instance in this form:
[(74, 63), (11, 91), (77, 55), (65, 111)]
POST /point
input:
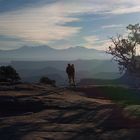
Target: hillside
[(41, 112)]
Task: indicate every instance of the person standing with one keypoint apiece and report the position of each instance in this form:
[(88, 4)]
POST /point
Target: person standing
[(70, 70), (69, 73), (73, 74)]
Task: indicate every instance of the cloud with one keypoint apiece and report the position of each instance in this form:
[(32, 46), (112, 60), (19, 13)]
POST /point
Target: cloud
[(9, 38), (97, 43), (101, 45), (126, 10), (91, 39), (8, 43), (41, 24), (112, 26), (105, 44), (48, 22), (102, 7)]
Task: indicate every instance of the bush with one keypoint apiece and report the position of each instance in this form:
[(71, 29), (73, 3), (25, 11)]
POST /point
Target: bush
[(46, 80), (8, 74)]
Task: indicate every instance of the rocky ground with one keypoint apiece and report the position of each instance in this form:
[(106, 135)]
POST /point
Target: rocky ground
[(38, 112)]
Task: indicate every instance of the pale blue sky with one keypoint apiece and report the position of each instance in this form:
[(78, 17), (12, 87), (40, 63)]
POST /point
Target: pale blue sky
[(64, 23)]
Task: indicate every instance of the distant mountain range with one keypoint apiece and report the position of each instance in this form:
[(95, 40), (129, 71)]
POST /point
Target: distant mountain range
[(32, 70), (48, 53), (34, 62)]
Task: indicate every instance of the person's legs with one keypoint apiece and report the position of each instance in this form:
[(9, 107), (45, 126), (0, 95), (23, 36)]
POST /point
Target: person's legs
[(73, 79), (69, 77)]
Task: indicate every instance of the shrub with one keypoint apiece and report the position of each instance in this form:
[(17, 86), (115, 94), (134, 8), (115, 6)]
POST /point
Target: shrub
[(46, 80), (8, 74)]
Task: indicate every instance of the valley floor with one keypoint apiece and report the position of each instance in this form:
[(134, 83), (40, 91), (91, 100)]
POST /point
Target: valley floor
[(39, 112)]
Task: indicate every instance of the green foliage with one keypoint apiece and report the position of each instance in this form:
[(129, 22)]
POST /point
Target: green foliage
[(46, 80), (123, 49), (127, 98), (121, 95), (8, 74), (134, 34), (134, 110)]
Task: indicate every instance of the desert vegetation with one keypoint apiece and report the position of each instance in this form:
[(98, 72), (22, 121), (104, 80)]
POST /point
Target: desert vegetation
[(124, 49), (46, 80), (8, 74)]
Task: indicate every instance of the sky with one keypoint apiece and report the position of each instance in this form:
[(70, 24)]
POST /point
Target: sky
[(62, 24)]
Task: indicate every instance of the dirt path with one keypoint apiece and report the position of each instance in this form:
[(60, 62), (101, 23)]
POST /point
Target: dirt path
[(67, 115)]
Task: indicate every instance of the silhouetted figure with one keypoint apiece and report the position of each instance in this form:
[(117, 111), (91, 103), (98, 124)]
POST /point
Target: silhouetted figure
[(70, 70), (73, 74)]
